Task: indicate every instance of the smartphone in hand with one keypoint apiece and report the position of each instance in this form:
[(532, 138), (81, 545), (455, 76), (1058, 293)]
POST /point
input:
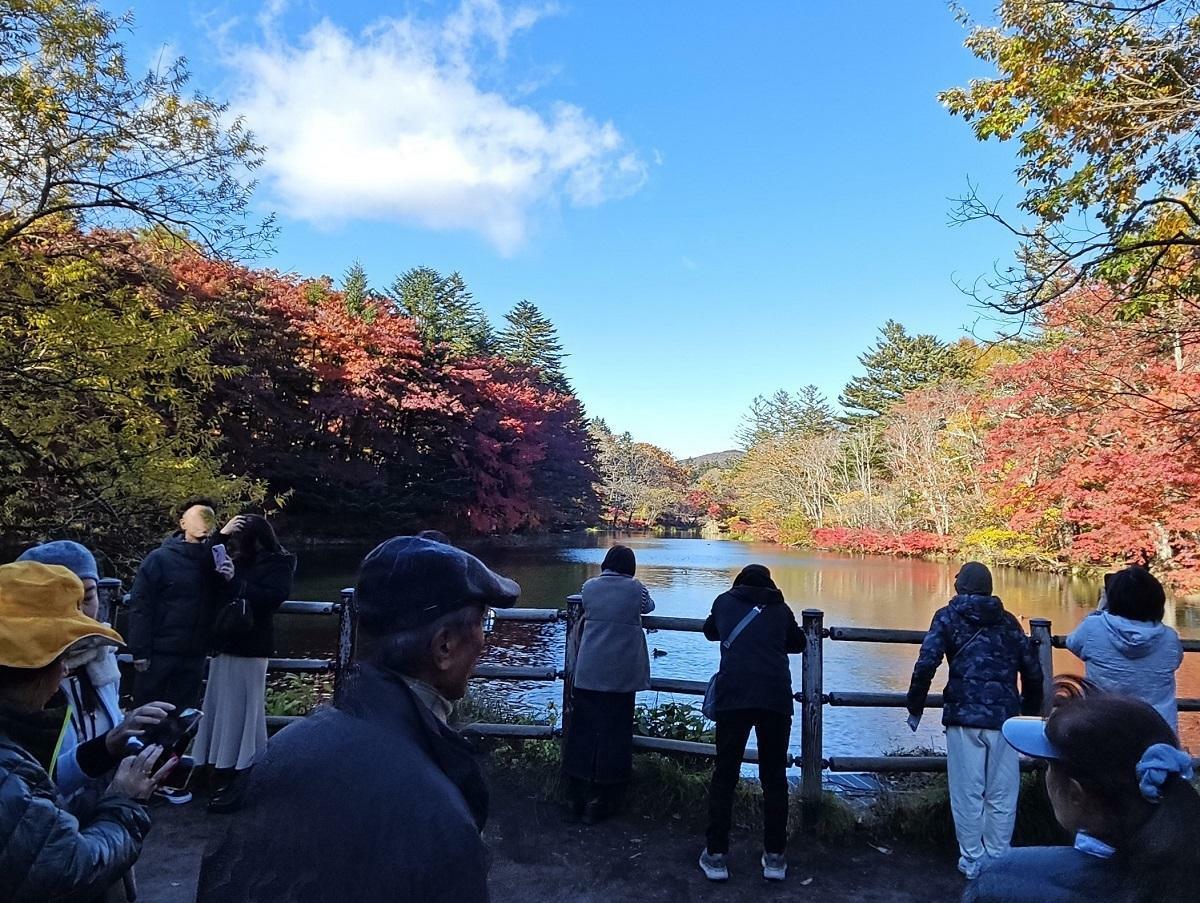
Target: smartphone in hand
[(220, 555)]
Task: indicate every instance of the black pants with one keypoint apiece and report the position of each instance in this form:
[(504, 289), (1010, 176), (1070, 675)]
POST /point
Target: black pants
[(170, 678), (772, 730)]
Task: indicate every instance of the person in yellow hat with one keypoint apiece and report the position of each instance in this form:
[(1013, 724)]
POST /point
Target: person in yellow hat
[(46, 852)]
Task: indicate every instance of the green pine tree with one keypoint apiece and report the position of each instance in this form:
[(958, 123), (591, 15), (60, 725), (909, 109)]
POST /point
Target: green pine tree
[(355, 289), (804, 411), (530, 339), (444, 311), (897, 364)]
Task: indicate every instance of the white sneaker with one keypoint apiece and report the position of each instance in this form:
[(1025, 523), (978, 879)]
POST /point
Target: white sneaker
[(713, 865), (174, 796), (774, 866), (970, 868)]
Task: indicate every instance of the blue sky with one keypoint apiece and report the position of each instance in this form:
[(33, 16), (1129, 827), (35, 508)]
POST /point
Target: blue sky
[(710, 200)]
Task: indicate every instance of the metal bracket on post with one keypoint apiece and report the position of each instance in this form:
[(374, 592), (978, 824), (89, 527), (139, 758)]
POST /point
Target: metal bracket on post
[(1039, 632), (811, 715), (347, 625), (574, 623), (109, 591)]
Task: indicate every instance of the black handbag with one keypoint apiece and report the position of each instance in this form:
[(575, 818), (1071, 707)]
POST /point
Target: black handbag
[(235, 619)]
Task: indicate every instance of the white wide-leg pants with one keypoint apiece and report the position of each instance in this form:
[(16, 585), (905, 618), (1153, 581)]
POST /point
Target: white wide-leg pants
[(985, 779)]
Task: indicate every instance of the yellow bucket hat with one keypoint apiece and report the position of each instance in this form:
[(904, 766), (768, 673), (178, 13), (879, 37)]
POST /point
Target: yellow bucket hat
[(40, 617)]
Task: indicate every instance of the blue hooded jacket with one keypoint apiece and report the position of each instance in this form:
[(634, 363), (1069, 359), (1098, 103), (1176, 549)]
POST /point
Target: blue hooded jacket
[(987, 650)]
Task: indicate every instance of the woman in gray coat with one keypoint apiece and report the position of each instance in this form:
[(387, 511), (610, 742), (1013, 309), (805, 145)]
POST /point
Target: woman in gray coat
[(610, 667)]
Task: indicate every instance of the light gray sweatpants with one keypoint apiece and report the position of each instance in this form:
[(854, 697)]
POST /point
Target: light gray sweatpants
[(985, 778)]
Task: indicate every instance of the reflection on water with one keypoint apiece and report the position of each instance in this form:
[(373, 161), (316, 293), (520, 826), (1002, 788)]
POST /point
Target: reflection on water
[(684, 575)]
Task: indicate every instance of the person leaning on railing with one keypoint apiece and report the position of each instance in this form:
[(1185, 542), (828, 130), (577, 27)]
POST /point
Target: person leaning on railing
[(612, 664), (1119, 784), (46, 851), (987, 651), (753, 690), (1126, 647)]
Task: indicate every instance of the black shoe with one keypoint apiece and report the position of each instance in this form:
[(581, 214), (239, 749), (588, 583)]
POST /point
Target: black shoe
[(229, 797), (228, 800)]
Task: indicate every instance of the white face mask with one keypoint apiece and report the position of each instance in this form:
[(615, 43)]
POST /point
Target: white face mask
[(85, 651)]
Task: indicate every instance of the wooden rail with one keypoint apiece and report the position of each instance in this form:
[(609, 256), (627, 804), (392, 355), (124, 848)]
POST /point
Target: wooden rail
[(812, 697)]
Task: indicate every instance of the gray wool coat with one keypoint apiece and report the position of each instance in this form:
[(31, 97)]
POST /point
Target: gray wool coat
[(612, 655)]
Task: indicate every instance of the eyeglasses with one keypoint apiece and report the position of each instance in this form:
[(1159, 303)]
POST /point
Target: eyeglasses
[(489, 620)]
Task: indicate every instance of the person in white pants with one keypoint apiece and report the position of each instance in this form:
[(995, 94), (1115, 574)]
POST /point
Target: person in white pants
[(987, 650), (985, 779)]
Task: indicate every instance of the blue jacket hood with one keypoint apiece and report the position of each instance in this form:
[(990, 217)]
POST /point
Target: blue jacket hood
[(981, 610), (1134, 639)]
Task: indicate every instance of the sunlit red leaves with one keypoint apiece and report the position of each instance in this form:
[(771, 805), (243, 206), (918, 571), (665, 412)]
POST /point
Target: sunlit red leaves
[(1095, 440)]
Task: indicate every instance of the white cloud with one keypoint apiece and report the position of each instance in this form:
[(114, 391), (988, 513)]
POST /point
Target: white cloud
[(395, 124)]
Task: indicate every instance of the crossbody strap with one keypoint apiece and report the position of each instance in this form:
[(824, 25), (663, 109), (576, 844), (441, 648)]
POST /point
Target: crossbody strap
[(742, 625)]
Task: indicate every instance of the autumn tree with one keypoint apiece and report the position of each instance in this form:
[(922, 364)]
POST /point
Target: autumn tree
[(89, 142), (934, 447), (528, 338), (638, 481), (1093, 480), (789, 480), (102, 427), (1102, 102)]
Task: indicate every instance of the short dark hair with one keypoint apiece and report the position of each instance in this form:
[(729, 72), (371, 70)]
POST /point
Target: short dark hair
[(1136, 594), (620, 559)]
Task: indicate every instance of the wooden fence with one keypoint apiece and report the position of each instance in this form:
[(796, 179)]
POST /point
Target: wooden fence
[(812, 698)]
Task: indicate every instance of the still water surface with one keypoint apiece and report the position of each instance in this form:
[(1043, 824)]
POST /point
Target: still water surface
[(685, 575)]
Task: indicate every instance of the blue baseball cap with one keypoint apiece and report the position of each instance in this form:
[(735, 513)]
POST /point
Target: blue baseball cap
[(409, 581), (1028, 736)]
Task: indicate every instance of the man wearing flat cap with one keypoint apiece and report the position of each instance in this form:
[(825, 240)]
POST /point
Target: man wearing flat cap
[(375, 798)]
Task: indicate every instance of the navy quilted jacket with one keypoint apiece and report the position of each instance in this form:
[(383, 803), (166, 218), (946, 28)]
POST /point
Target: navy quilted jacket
[(987, 650), (46, 853)]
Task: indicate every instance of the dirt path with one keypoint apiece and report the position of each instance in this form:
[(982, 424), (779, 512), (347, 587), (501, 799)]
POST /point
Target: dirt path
[(539, 857)]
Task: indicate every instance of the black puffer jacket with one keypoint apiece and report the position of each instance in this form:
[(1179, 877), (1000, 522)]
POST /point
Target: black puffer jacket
[(265, 585), (174, 599), (371, 800), (755, 671), (987, 650), (46, 853)]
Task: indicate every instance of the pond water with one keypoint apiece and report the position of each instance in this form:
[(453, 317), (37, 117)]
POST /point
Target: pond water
[(685, 575)]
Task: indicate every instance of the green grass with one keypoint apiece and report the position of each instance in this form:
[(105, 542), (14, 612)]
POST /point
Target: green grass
[(297, 694)]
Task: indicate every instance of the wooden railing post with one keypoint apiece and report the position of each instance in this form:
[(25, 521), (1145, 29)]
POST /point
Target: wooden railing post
[(109, 591), (1039, 632), (811, 714), (347, 626), (574, 615)]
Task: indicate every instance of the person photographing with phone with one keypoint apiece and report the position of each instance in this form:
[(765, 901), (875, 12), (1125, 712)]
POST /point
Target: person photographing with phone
[(243, 641), (176, 594), (46, 851)]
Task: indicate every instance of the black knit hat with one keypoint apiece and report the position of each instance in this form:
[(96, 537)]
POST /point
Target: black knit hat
[(973, 579)]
